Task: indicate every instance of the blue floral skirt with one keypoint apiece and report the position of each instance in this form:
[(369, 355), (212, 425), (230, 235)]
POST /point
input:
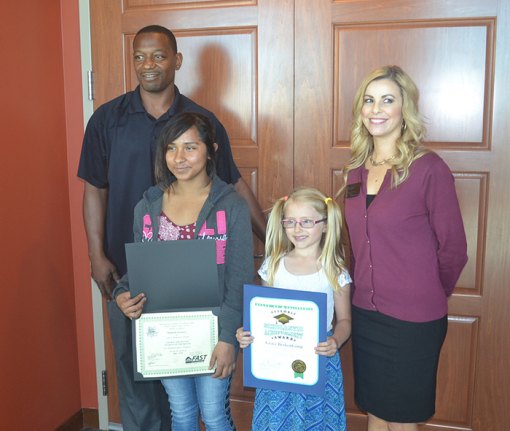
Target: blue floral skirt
[(292, 411)]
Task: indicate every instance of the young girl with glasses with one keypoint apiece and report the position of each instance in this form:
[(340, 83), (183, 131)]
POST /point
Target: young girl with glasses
[(303, 252)]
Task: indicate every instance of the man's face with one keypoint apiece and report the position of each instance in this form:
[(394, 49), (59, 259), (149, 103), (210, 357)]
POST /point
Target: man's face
[(155, 62)]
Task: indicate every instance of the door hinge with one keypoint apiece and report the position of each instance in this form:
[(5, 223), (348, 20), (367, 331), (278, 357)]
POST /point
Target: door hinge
[(104, 378), (90, 84)]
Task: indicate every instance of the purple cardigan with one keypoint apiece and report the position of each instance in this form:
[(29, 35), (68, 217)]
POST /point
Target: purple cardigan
[(409, 246)]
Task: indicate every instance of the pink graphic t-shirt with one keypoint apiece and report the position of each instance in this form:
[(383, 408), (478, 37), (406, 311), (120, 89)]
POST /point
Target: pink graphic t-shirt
[(169, 231)]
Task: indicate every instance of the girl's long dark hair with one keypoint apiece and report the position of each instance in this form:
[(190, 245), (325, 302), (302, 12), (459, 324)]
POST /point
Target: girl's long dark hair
[(175, 127)]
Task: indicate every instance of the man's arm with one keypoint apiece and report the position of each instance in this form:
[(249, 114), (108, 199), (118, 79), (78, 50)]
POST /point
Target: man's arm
[(94, 216), (258, 219)]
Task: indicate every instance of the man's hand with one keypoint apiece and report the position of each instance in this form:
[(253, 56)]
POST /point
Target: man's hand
[(105, 275), (225, 358), (104, 272)]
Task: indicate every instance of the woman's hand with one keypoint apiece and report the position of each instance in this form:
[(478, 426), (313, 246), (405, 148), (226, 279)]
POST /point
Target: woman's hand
[(224, 357), (327, 348), (243, 338), (131, 307)]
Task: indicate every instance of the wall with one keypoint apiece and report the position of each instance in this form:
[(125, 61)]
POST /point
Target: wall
[(39, 362)]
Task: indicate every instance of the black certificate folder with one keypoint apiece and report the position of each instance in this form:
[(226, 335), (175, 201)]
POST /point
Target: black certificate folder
[(174, 275)]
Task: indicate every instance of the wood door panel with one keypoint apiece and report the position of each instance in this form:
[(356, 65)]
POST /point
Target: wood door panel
[(107, 53), (409, 10), (222, 76), (238, 391), (455, 55), (472, 193), (346, 360), (455, 52), (192, 18), (313, 94), (181, 4), (456, 379)]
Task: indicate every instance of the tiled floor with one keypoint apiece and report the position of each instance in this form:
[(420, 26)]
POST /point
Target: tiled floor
[(241, 411)]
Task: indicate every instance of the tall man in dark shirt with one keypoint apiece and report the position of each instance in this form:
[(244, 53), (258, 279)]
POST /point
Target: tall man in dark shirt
[(117, 165)]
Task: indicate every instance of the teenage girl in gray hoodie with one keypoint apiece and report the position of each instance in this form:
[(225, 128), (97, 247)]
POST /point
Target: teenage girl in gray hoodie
[(191, 202)]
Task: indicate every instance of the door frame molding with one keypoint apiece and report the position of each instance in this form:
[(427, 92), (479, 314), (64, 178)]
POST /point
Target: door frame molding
[(97, 302)]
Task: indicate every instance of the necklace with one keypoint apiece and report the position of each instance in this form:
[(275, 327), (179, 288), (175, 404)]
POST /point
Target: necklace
[(382, 162)]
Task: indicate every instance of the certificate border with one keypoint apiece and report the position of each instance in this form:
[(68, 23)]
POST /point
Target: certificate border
[(320, 299), (137, 326)]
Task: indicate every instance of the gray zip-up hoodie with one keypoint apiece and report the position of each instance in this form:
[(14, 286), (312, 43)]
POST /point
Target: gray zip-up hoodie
[(225, 218)]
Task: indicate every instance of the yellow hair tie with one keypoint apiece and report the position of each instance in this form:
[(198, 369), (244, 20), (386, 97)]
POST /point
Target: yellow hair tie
[(327, 200)]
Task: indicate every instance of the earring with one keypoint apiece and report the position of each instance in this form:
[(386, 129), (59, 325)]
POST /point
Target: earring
[(404, 125)]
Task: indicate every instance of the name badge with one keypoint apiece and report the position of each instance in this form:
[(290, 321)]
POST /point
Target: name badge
[(353, 190)]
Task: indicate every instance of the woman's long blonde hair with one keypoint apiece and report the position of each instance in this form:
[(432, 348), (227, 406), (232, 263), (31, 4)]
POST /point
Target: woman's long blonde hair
[(277, 243), (409, 144)]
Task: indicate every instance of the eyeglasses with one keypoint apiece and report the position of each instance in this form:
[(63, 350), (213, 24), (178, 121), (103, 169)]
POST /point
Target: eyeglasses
[(305, 223)]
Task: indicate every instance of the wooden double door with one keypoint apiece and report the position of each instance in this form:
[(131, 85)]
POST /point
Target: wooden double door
[(281, 76)]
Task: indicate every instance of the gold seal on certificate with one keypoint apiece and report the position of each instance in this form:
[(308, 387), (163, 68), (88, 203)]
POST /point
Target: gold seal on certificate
[(299, 368), (174, 343)]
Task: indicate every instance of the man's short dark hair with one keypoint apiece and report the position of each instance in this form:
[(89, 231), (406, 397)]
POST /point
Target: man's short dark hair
[(161, 30)]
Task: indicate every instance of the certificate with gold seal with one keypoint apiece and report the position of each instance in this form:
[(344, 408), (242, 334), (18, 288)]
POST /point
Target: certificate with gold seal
[(171, 344), (287, 326)]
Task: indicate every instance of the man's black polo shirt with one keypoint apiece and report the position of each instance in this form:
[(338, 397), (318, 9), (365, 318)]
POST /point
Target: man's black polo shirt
[(118, 154)]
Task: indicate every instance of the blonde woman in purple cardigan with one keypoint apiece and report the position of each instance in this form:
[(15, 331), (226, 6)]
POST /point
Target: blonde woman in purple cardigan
[(408, 250)]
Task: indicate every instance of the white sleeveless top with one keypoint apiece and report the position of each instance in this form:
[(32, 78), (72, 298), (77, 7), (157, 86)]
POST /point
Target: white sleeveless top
[(315, 282)]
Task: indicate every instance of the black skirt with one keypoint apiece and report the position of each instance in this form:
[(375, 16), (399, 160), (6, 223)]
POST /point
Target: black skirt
[(395, 365)]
